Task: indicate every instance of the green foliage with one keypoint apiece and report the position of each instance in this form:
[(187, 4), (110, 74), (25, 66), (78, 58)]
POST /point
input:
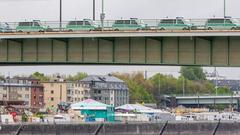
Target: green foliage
[(223, 90), (40, 76), (137, 85), (77, 77), (193, 73), (24, 117), (2, 77)]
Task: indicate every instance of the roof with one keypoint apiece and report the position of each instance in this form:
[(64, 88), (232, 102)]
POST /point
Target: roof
[(89, 104), (138, 108), (101, 78)]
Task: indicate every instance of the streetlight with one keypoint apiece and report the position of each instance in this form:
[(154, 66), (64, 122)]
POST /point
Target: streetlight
[(102, 15), (60, 15), (183, 88), (224, 8), (94, 10)]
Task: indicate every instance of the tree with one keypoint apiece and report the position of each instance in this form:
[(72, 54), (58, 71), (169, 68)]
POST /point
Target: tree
[(77, 77), (137, 86), (193, 73), (40, 76)]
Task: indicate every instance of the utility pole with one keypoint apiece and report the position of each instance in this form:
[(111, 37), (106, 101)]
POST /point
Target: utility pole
[(159, 91), (224, 8), (216, 81), (60, 15), (183, 86), (94, 9), (102, 15)]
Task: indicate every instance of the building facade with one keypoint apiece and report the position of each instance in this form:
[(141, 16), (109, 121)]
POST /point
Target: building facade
[(55, 91), (22, 91), (106, 89), (59, 90)]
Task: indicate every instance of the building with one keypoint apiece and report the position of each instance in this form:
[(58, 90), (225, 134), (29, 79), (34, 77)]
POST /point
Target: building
[(59, 90), (55, 91), (106, 89), (94, 111), (22, 91), (233, 85)]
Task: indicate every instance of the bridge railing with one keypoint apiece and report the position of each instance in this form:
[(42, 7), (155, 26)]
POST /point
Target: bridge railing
[(195, 95), (148, 24)]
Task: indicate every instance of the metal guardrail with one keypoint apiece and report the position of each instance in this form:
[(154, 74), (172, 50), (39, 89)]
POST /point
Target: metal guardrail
[(148, 24), (195, 95)]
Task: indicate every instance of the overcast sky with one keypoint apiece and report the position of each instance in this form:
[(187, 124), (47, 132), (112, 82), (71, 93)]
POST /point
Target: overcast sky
[(48, 10)]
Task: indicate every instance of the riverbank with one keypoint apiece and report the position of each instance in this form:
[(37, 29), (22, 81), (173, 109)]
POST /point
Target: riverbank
[(168, 128)]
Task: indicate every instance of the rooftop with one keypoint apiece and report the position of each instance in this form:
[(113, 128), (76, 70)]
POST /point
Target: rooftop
[(101, 78)]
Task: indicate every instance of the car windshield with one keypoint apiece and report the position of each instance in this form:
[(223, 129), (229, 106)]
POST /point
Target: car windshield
[(235, 21)]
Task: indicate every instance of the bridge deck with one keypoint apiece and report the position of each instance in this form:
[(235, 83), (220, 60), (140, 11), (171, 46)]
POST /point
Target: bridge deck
[(144, 33)]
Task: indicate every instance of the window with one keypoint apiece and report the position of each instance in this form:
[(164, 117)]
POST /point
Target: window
[(26, 88), (79, 22), (72, 23), (26, 96), (52, 98), (87, 23), (99, 91), (25, 24), (100, 98), (180, 22), (228, 21), (119, 22), (36, 24), (134, 22), (52, 92)]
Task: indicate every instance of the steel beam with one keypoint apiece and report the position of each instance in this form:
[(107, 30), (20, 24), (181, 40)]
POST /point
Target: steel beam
[(129, 50), (194, 50), (37, 48)]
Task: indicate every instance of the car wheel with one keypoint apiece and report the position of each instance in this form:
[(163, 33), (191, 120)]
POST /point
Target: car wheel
[(138, 29), (70, 30), (41, 31), (185, 28), (233, 28), (116, 29), (162, 29), (210, 28), (20, 31)]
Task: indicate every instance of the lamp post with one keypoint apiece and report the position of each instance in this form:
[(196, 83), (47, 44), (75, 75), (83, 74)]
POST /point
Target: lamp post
[(60, 15), (224, 8), (102, 15), (94, 9), (183, 87)]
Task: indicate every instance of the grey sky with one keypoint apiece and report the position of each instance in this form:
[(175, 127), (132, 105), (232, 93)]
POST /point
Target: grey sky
[(15, 10), (48, 10)]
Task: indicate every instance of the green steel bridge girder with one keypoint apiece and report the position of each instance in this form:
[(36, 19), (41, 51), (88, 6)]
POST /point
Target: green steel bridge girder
[(203, 51)]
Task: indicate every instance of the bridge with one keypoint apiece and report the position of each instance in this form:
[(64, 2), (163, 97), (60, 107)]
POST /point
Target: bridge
[(144, 47), (201, 100)]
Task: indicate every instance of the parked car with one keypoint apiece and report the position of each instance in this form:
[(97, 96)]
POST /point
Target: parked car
[(31, 27), (222, 24), (85, 24), (4, 27), (175, 24), (132, 24)]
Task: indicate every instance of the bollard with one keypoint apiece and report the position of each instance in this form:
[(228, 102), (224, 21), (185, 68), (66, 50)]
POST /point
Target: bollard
[(163, 128), (19, 129), (98, 129), (216, 128)]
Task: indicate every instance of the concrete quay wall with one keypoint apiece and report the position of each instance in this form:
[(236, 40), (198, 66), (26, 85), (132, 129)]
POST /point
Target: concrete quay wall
[(170, 128)]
